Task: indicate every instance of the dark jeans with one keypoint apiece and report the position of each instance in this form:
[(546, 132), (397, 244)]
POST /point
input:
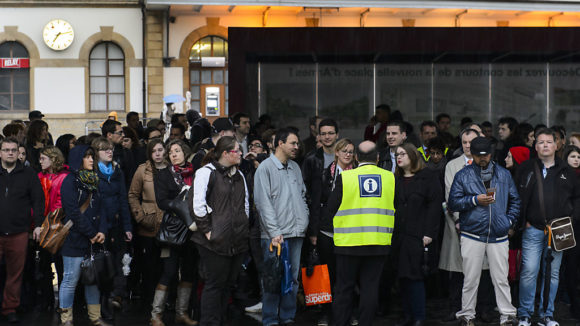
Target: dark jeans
[(13, 249), (220, 274), (413, 298), (182, 259), (455, 289), (367, 271)]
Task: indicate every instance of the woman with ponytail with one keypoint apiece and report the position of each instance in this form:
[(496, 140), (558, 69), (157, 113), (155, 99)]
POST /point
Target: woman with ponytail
[(221, 208), (168, 183)]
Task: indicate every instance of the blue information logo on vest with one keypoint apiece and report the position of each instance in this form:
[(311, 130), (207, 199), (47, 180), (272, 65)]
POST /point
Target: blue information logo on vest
[(370, 185)]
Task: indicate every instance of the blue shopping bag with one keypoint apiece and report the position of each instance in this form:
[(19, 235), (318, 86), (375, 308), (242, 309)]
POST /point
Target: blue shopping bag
[(287, 281)]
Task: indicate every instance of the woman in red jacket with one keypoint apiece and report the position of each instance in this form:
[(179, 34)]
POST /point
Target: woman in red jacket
[(51, 177)]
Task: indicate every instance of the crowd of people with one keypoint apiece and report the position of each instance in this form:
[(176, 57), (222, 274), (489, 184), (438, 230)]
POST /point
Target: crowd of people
[(387, 215)]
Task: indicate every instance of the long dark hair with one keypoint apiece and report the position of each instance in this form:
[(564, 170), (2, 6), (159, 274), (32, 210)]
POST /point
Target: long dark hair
[(63, 143), (34, 132)]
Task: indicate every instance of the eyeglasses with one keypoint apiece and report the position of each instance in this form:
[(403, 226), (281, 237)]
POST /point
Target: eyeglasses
[(10, 150), (330, 133), (256, 145), (347, 152), (235, 151), (400, 154), (120, 132)]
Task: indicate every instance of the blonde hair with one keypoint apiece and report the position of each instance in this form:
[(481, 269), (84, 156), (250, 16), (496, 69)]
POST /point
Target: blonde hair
[(55, 156)]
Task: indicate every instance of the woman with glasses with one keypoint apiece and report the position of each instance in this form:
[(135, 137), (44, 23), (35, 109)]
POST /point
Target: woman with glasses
[(418, 198), (82, 205), (321, 190), (116, 212), (147, 217), (221, 208), (168, 183)]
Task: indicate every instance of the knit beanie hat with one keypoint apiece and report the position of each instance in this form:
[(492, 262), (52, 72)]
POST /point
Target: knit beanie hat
[(520, 154)]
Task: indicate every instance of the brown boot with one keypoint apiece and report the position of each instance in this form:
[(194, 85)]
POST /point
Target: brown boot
[(158, 305), (182, 303), (66, 316), (94, 311)]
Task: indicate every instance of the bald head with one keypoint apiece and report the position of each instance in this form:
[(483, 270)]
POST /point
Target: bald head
[(367, 152)]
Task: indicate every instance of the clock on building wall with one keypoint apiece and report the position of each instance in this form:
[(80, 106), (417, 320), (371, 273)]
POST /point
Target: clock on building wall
[(58, 34)]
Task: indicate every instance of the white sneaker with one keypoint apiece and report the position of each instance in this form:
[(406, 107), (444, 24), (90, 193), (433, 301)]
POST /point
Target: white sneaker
[(255, 308), (548, 321), (524, 321)]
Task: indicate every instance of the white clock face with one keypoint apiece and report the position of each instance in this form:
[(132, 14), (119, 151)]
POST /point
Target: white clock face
[(58, 34)]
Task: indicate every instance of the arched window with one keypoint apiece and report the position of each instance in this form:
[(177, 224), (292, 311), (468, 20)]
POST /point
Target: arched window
[(209, 46), (14, 77), (107, 77)]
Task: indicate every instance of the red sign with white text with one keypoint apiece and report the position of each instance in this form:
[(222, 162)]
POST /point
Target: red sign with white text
[(14, 63)]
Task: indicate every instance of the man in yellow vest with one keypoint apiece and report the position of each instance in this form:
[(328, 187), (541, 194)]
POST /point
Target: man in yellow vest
[(364, 218)]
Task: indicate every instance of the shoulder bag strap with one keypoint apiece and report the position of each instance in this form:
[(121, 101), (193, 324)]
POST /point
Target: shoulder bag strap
[(540, 183), (86, 204)]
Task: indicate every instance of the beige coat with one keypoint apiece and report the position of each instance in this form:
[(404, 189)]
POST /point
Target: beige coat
[(142, 201), (450, 258)]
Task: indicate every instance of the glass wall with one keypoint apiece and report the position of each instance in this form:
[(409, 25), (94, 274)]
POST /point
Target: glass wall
[(530, 92)]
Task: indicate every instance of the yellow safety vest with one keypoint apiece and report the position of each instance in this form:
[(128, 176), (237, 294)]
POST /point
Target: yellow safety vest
[(366, 215), (425, 157)]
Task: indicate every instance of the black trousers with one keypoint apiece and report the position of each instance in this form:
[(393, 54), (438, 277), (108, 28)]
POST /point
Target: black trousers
[(325, 246), (148, 266), (570, 264), (220, 274), (182, 259), (366, 270)]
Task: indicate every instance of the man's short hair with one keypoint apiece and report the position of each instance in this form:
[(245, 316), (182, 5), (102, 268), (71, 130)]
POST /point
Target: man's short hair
[(312, 120), (546, 131), (466, 120), (148, 132), (384, 107), (511, 122), (178, 126), (427, 123), (486, 124), (436, 143), (131, 114), (561, 130), (402, 126), (9, 140), (441, 116), (175, 117), (328, 123), (109, 126), (282, 135), (368, 156), (12, 129), (467, 131), (237, 117)]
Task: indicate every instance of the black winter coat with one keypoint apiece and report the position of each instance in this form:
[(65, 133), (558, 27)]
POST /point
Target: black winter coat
[(312, 169), (418, 211), (561, 193), (20, 191)]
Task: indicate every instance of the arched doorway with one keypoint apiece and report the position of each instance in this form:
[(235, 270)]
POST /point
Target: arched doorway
[(202, 79)]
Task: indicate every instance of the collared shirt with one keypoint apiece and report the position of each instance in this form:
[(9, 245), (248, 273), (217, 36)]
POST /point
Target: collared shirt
[(243, 145), (280, 197), (394, 161)]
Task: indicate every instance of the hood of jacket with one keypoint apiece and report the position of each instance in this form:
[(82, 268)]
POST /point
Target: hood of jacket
[(75, 157)]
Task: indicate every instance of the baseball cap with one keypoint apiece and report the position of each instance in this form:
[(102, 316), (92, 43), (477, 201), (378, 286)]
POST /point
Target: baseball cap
[(35, 115), (481, 146), (221, 124)]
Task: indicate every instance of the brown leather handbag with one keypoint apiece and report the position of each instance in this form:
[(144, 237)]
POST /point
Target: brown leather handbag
[(562, 233), (53, 232)]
